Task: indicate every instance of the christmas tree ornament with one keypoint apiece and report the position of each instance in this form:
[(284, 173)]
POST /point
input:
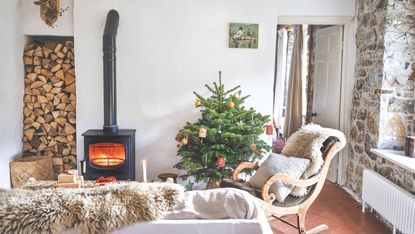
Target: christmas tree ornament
[(220, 162), (198, 103), (236, 95), (269, 129), (230, 105), (202, 132), (179, 146), (252, 147), (185, 140)]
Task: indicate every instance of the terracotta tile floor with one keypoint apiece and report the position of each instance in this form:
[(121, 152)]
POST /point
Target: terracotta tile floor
[(339, 211)]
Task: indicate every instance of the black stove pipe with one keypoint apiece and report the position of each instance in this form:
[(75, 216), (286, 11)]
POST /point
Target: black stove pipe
[(110, 84)]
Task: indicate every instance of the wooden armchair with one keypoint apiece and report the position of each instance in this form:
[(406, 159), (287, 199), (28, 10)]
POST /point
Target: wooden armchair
[(292, 205)]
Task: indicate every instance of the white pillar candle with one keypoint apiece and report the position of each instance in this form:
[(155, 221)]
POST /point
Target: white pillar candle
[(83, 167), (144, 171)]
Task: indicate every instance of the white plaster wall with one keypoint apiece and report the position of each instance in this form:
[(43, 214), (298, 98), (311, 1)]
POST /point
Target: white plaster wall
[(11, 80), (167, 49)]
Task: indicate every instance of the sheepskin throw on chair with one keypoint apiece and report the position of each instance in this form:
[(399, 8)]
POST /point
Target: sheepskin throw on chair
[(307, 143)]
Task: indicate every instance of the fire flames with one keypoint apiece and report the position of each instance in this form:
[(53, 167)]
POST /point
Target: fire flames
[(107, 154)]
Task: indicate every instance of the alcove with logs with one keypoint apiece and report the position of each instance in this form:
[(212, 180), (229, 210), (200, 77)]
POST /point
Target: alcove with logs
[(50, 101)]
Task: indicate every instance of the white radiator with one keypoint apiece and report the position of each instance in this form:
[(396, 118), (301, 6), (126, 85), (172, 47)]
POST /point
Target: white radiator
[(391, 201)]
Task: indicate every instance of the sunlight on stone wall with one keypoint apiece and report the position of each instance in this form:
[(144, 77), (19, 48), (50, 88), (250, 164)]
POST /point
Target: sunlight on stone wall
[(383, 96)]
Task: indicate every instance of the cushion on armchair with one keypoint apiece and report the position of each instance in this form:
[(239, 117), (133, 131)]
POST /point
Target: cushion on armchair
[(275, 163)]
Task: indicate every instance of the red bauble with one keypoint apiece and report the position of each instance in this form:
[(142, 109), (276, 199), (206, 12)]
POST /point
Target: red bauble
[(220, 162), (269, 129)]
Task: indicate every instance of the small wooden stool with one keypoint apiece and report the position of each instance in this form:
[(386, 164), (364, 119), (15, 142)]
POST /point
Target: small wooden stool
[(164, 177)]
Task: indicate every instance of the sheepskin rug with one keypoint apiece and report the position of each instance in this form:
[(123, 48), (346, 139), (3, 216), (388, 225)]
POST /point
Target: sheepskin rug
[(89, 210), (307, 143)]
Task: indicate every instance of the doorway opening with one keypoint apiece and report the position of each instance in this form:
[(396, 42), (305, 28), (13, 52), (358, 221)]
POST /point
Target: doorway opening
[(308, 62), (310, 84)]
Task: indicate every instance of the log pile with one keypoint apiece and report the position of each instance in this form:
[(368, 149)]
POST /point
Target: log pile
[(50, 103)]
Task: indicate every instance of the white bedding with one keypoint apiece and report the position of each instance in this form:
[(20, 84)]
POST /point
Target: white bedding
[(192, 226), (217, 211)]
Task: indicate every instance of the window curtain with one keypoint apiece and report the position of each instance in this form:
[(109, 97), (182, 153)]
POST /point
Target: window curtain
[(278, 114), (293, 117)]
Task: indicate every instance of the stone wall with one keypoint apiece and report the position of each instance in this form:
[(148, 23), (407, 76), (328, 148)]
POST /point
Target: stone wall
[(397, 98), (383, 96)]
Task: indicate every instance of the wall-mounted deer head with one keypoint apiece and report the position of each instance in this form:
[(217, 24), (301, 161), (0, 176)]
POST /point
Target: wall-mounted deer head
[(49, 10)]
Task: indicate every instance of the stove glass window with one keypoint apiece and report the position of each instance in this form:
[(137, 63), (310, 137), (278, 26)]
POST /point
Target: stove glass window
[(107, 154)]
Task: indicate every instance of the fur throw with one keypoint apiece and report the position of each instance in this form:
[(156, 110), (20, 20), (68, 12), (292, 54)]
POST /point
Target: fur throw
[(307, 143), (89, 210)]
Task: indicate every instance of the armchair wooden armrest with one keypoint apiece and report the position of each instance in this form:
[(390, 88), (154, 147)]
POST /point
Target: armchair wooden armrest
[(244, 165), (270, 197)]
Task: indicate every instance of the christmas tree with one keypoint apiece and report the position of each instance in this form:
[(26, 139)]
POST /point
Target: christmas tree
[(226, 134)]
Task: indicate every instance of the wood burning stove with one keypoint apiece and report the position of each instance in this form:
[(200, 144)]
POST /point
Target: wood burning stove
[(109, 154), (110, 151)]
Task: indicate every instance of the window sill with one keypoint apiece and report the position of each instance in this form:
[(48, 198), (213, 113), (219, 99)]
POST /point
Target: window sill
[(397, 157)]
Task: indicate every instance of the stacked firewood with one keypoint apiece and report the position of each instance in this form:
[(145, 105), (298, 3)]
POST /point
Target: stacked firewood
[(50, 102)]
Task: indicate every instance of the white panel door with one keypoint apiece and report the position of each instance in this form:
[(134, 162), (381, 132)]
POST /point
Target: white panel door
[(327, 83)]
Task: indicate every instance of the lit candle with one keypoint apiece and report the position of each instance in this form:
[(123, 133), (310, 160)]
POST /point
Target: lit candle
[(83, 167), (144, 171)]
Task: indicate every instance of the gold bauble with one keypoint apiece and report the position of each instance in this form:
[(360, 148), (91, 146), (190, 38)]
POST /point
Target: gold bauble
[(252, 147), (198, 103), (231, 105), (184, 141)]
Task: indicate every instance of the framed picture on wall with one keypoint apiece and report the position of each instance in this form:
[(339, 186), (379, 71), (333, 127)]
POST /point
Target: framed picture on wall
[(243, 35)]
